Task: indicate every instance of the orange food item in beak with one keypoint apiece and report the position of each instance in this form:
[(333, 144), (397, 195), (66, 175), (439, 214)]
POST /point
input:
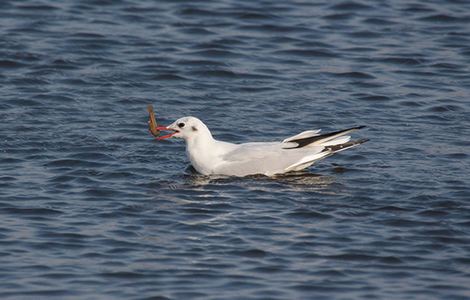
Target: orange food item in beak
[(155, 130), (152, 121)]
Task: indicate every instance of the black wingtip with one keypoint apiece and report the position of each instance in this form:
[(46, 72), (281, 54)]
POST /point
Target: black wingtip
[(361, 141), (341, 147), (302, 142)]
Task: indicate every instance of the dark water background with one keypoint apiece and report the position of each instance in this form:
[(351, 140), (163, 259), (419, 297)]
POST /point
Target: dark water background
[(91, 207)]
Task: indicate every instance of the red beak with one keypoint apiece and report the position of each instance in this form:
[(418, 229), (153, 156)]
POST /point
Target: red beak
[(167, 136)]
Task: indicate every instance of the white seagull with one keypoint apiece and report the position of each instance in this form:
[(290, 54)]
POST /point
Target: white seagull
[(212, 157)]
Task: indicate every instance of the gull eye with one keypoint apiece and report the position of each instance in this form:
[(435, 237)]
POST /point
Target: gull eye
[(180, 125)]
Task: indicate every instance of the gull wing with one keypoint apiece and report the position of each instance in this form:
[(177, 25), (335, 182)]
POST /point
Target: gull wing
[(295, 153), (264, 158)]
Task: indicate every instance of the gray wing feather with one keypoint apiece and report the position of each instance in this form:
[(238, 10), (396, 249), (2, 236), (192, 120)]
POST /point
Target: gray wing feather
[(262, 158)]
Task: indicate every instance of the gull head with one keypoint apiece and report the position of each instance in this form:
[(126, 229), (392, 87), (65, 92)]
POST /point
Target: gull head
[(186, 128)]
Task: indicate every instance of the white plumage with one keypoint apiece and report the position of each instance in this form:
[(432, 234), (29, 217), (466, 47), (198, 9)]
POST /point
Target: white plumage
[(210, 156)]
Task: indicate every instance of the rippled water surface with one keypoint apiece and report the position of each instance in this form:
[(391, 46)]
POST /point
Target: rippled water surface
[(91, 207)]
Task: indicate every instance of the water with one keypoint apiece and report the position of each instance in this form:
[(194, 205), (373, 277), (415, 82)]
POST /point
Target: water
[(91, 207)]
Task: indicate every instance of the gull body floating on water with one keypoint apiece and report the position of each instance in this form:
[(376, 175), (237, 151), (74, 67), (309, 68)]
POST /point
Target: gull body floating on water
[(212, 157)]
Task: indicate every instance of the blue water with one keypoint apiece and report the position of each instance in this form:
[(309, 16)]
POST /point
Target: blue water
[(91, 207)]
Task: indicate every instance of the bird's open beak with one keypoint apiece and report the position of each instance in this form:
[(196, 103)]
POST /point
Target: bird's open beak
[(166, 136)]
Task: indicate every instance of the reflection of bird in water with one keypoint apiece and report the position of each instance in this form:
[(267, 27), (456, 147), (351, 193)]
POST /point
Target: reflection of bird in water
[(300, 180)]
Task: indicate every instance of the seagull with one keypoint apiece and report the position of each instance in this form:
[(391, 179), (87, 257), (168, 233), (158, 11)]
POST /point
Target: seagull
[(213, 157)]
